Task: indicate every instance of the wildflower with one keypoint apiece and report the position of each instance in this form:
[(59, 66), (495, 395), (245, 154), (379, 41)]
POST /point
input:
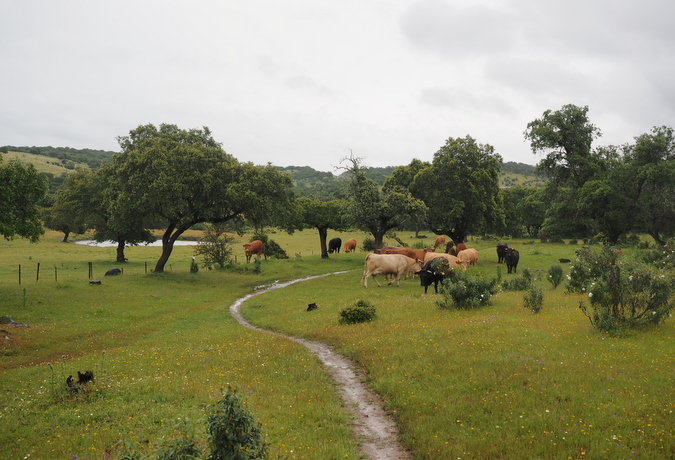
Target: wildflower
[(590, 294)]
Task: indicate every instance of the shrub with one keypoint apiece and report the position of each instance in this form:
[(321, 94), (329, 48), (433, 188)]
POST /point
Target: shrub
[(194, 267), (533, 299), (368, 244), (462, 292), (623, 294), (521, 283), (555, 275), (232, 431), (361, 312), (215, 247), (271, 248)]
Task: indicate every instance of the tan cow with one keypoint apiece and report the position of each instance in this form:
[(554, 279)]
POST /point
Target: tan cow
[(440, 241), (452, 260), (350, 245), (468, 256), (386, 264), (253, 248)]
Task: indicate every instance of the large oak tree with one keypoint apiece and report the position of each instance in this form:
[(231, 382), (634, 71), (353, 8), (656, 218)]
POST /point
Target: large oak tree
[(461, 189), (21, 190), (185, 177)]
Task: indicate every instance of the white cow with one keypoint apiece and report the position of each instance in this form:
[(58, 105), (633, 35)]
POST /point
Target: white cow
[(388, 264)]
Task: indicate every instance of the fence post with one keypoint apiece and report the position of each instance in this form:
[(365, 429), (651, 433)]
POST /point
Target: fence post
[(37, 274), (90, 270), (56, 276), (19, 274), (146, 268)]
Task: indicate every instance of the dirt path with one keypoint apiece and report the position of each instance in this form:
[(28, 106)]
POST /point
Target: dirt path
[(375, 429)]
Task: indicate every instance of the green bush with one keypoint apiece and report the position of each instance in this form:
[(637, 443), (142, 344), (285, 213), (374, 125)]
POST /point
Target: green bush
[(368, 244), (233, 432), (555, 275), (215, 247), (361, 312), (520, 283), (463, 293), (623, 294), (533, 299), (271, 248)]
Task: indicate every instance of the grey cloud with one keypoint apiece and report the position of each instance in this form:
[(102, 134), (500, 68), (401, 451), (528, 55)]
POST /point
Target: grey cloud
[(445, 28)]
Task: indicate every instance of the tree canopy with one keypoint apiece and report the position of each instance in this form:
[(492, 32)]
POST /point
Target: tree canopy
[(21, 190), (461, 189), (185, 177)]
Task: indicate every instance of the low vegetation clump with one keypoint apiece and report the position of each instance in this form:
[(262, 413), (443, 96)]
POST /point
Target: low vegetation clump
[(534, 299), (623, 294), (215, 247), (361, 312), (520, 283), (232, 431), (555, 275), (463, 292)]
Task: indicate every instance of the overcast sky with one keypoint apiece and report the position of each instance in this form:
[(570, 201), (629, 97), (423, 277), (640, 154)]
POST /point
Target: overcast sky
[(306, 82)]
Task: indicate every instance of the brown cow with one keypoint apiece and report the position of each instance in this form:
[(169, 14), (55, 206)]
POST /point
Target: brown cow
[(385, 264), (440, 241), (459, 248), (253, 248), (468, 257), (417, 254), (350, 245)]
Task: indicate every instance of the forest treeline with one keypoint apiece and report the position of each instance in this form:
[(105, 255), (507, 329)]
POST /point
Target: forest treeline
[(171, 178)]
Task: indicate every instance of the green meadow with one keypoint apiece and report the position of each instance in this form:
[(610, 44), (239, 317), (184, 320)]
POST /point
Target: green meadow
[(499, 382)]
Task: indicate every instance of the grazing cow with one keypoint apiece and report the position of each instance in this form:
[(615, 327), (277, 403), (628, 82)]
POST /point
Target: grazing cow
[(501, 251), (388, 264), (253, 248), (512, 257), (350, 245), (440, 241), (460, 247), (334, 245), (468, 257), (453, 261), (433, 271)]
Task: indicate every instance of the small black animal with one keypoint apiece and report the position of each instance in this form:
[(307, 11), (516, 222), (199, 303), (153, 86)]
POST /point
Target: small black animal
[(311, 306), (564, 261), (113, 272), (82, 379)]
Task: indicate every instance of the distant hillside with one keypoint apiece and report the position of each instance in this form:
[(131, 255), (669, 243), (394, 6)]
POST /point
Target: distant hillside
[(66, 155), (519, 174)]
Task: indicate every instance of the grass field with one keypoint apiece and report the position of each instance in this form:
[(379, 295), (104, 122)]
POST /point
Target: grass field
[(498, 382)]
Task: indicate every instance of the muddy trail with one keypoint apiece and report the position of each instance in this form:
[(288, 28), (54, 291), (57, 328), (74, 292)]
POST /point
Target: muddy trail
[(374, 428)]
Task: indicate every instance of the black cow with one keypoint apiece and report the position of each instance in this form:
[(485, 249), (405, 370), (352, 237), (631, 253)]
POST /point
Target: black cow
[(334, 245), (501, 252), (433, 272), (511, 258)]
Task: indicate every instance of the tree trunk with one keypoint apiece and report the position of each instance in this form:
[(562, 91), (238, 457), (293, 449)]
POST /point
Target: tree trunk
[(120, 251), (167, 249), (65, 236), (323, 236), (379, 239)]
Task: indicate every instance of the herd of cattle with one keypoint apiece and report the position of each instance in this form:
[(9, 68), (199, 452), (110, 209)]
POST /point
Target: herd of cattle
[(397, 262)]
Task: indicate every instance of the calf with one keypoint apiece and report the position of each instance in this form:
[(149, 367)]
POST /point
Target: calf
[(512, 257), (388, 264)]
